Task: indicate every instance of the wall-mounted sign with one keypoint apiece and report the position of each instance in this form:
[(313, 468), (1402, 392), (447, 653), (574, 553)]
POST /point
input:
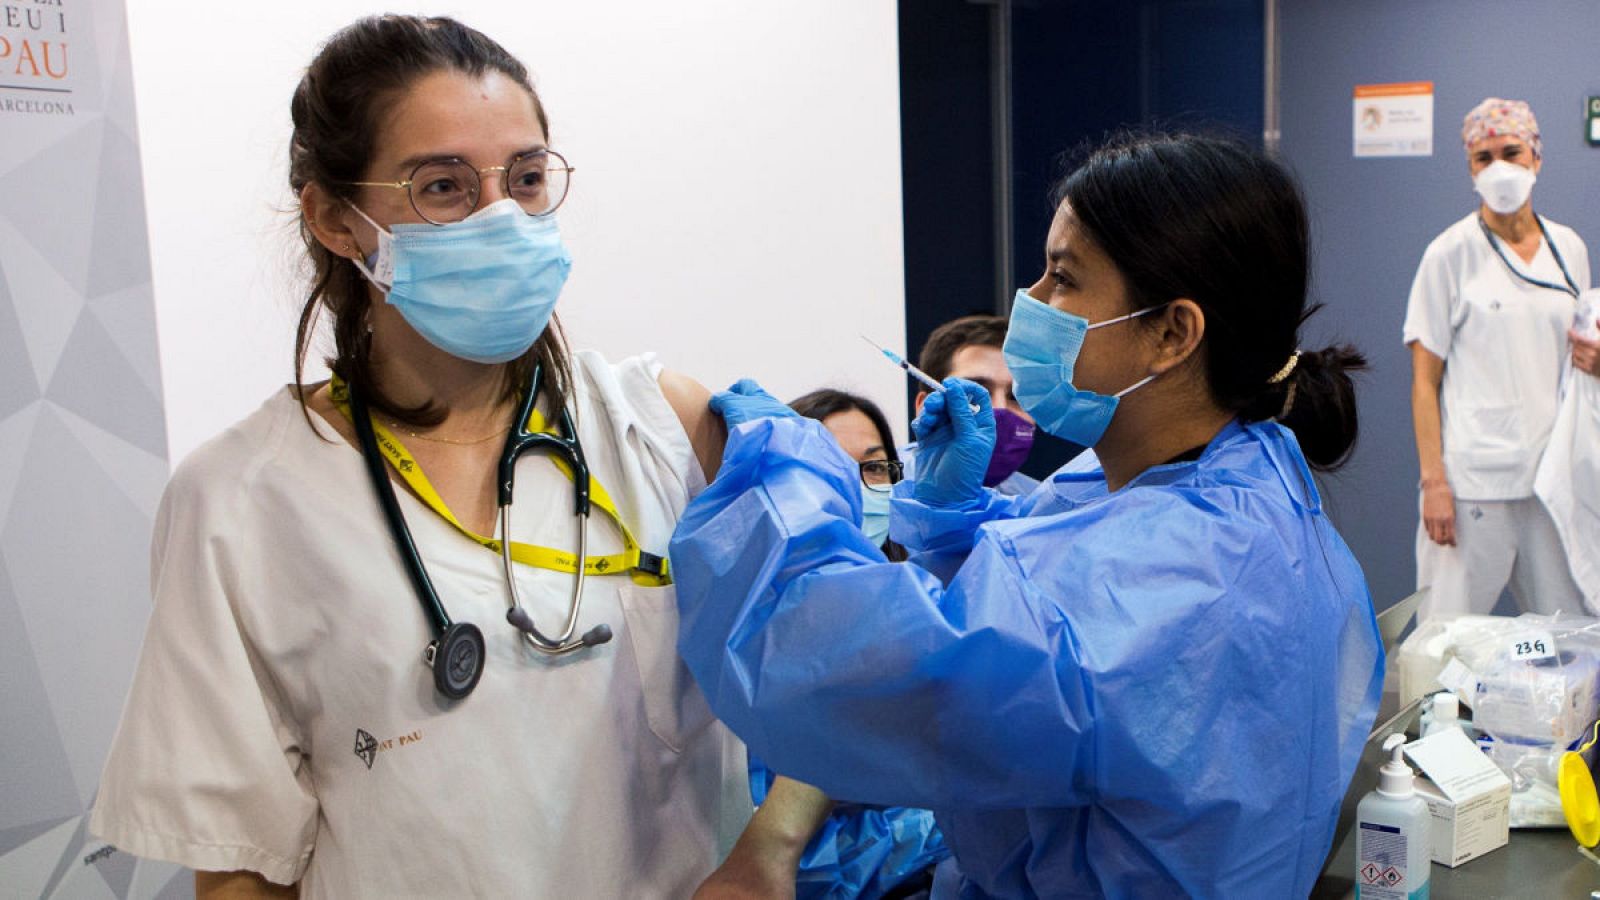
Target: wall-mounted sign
[(1394, 119), (1591, 126)]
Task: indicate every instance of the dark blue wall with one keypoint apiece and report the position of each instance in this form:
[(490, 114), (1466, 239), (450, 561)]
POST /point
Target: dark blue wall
[(1086, 69), (948, 200), (1372, 218), (1080, 70)]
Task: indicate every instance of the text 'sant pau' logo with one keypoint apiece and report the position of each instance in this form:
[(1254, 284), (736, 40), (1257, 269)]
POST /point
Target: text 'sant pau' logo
[(35, 57), (368, 747)]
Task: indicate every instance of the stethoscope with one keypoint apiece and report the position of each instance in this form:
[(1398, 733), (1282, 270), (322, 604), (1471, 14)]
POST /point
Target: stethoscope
[(459, 645), (1572, 286)]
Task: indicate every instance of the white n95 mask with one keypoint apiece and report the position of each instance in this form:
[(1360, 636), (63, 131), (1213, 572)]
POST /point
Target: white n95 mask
[(1504, 186)]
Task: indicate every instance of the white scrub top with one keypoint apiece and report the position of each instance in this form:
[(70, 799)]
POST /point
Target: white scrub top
[(281, 719), (1504, 344)]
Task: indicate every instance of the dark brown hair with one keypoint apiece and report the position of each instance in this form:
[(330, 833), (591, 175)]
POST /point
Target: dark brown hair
[(1223, 224), (337, 111), (939, 351)]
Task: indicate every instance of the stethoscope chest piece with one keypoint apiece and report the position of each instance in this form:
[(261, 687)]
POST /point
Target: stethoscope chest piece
[(456, 659)]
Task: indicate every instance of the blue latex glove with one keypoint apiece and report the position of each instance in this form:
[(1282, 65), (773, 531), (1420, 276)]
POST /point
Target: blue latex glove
[(955, 438), (746, 401)]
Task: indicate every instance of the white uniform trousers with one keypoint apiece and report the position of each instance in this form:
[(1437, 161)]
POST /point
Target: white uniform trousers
[(1497, 542)]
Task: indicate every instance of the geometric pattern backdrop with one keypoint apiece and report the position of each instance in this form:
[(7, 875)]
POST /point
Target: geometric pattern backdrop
[(83, 451)]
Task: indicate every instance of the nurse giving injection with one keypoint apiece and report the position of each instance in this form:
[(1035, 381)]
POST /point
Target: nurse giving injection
[(1148, 678)]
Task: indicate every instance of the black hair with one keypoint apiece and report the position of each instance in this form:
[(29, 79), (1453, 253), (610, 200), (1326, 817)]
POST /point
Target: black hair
[(825, 402), (1222, 224)]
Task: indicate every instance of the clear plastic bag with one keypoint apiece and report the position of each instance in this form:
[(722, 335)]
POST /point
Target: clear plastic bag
[(1586, 317), (1533, 684), (1539, 681), (1435, 642)]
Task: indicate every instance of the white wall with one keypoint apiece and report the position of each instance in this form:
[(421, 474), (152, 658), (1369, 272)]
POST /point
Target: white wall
[(736, 205)]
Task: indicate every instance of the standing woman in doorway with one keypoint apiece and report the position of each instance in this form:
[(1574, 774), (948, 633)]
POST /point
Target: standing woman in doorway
[(1488, 326), (346, 689)]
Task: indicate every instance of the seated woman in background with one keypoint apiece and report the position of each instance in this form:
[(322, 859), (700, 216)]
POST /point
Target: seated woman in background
[(862, 431)]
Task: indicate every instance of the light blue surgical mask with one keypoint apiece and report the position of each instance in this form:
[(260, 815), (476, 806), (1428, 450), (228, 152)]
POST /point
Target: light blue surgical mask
[(481, 289), (1041, 349), (875, 514)]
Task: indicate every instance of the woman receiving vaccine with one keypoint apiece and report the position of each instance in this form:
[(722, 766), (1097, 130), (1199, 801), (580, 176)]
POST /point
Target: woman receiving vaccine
[(298, 723)]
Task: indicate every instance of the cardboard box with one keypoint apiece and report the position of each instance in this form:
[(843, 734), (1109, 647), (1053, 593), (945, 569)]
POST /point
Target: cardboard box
[(1467, 794)]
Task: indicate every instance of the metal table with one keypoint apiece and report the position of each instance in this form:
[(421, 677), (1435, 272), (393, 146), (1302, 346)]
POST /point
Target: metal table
[(1540, 862), (1536, 862)]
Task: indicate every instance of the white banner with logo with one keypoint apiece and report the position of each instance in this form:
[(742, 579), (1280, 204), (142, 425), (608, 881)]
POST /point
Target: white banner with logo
[(83, 454)]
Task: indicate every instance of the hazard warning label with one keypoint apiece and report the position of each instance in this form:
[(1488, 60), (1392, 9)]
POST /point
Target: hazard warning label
[(1381, 857)]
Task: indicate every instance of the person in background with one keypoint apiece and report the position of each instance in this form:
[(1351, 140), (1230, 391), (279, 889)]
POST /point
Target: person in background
[(863, 433), (286, 733), (1488, 324), (969, 348), (1154, 679)]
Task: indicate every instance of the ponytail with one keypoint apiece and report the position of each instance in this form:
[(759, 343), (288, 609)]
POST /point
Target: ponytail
[(1224, 225), (1317, 401)]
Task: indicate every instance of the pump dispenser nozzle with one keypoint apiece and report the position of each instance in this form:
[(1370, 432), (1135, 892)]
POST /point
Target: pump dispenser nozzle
[(1396, 779)]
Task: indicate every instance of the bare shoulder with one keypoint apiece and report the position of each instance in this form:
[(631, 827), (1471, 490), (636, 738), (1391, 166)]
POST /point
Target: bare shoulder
[(692, 402), (682, 391)]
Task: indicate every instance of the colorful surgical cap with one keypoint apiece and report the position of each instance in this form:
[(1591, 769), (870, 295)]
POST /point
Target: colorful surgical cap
[(1495, 117)]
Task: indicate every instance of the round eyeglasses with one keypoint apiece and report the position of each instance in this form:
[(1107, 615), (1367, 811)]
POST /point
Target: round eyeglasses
[(880, 474), (443, 191)]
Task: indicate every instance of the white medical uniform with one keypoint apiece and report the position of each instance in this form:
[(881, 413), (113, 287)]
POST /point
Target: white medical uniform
[(282, 720), (1568, 482), (1504, 345)]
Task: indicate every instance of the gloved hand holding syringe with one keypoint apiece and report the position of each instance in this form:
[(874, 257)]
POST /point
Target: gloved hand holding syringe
[(953, 443)]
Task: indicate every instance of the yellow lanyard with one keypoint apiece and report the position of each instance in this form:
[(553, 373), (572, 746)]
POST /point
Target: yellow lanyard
[(646, 569)]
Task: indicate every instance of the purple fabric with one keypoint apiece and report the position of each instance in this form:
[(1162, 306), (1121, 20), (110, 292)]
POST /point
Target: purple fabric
[(1013, 438)]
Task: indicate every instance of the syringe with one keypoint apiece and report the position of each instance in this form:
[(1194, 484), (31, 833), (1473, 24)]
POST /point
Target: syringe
[(913, 371)]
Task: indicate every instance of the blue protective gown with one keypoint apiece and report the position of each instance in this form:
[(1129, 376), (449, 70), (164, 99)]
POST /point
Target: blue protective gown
[(860, 852), (1156, 692)]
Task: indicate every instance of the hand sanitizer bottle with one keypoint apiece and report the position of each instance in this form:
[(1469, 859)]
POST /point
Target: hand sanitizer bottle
[(1446, 713), (1394, 849)]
